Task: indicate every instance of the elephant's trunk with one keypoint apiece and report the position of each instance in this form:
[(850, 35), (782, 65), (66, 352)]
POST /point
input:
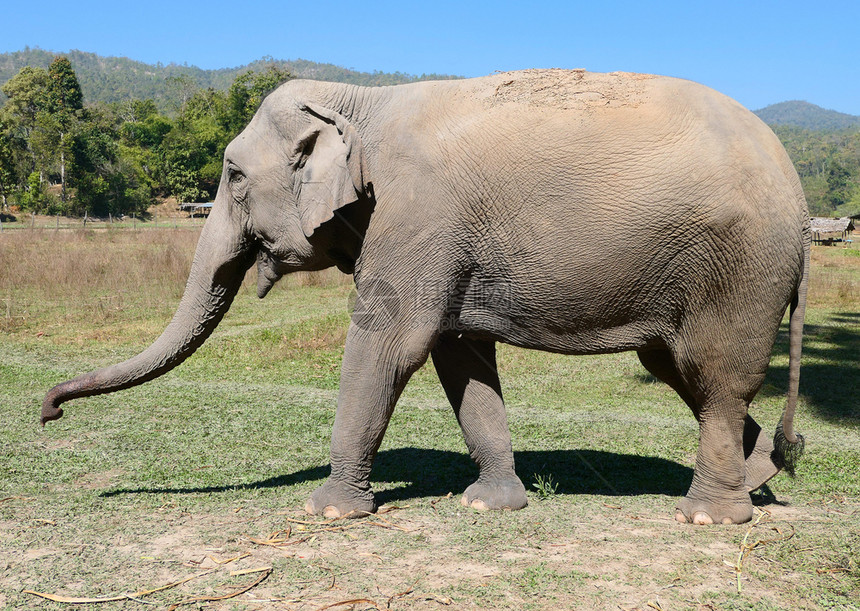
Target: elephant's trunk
[(219, 264)]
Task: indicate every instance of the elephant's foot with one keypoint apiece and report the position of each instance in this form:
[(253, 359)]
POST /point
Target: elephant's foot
[(728, 511), (337, 499), (492, 493)]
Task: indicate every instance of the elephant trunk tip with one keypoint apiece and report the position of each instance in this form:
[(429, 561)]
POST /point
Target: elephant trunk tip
[(51, 409), (787, 453), (50, 412)]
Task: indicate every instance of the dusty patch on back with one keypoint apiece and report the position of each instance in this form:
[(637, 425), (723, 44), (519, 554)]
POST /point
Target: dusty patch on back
[(571, 89)]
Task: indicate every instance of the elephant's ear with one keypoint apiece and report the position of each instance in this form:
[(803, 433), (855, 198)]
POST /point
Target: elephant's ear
[(330, 170)]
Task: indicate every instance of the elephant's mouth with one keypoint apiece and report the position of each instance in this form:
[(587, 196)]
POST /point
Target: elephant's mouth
[(267, 272)]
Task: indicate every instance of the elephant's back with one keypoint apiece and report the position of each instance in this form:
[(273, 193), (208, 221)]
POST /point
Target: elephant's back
[(609, 125)]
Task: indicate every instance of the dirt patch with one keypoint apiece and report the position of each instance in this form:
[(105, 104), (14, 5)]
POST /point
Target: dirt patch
[(571, 89), (98, 481)]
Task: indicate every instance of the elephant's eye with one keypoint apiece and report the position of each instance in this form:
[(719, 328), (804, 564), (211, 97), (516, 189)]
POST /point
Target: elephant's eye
[(235, 176), (238, 184)]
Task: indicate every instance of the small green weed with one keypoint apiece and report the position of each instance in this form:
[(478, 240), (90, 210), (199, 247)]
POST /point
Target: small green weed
[(545, 486)]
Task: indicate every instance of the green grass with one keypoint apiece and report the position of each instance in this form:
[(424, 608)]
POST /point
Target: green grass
[(134, 490)]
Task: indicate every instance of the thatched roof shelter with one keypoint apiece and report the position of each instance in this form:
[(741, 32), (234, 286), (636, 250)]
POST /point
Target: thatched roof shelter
[(829, 230)]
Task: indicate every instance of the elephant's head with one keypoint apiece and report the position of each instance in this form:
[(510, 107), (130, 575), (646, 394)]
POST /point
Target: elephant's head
[(289, 173), (296, 167)]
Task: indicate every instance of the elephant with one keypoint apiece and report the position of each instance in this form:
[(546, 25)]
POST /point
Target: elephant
[(486, 210)]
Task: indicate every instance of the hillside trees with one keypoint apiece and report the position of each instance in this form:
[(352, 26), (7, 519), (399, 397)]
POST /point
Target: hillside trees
[(116, 158), (246, 94), (117, 79), (808, 116), (828, 163)]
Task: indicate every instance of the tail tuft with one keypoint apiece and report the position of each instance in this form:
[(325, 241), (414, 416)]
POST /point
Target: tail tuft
[(786, 454)]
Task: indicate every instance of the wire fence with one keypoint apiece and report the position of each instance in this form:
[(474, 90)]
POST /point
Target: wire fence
[(133, 222)]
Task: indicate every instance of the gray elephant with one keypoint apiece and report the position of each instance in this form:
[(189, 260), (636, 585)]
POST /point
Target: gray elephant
[(484, 210)]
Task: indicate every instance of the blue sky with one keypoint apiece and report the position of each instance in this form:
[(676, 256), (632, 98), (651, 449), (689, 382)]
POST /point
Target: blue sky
[(757, 51)]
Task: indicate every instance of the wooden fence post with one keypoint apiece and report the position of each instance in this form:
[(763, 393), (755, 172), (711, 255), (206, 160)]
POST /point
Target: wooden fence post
[(85, 219)]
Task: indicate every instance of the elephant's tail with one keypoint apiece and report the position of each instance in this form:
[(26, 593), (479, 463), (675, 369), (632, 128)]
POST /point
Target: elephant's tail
[(788, 445)]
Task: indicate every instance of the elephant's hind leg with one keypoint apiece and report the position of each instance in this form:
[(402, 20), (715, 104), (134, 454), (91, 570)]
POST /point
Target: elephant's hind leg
[(758, 445), (732, 453), (467, 370), (661, 365), (724, 370)]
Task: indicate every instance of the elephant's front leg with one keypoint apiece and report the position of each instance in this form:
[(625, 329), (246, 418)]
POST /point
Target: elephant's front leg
[(376, 366), (467, 370)]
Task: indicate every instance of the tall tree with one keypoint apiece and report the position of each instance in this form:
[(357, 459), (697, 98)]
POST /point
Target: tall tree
[(64, 102), (64, 91)]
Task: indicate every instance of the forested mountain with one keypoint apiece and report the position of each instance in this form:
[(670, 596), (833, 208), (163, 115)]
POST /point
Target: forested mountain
[(118, 79), (807, 116)]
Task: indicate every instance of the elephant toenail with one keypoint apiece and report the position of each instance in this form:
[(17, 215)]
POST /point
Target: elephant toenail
[(702, 518), (331, 511)]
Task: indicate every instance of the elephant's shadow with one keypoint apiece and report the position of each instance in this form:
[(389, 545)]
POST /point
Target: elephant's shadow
[(418, 472), (436, 473)]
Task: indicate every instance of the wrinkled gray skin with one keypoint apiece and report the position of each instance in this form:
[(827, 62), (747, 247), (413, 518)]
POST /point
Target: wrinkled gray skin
[(565, 211)]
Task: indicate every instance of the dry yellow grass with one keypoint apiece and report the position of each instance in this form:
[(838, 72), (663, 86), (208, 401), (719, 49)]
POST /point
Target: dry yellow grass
[(82, 262), (834, 281), (71, 275)]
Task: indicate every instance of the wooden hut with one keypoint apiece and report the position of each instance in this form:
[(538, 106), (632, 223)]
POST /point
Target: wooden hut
[(827, 231)]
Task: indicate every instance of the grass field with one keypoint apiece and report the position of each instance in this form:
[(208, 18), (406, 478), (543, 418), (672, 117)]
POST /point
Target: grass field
[(202, 474)]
